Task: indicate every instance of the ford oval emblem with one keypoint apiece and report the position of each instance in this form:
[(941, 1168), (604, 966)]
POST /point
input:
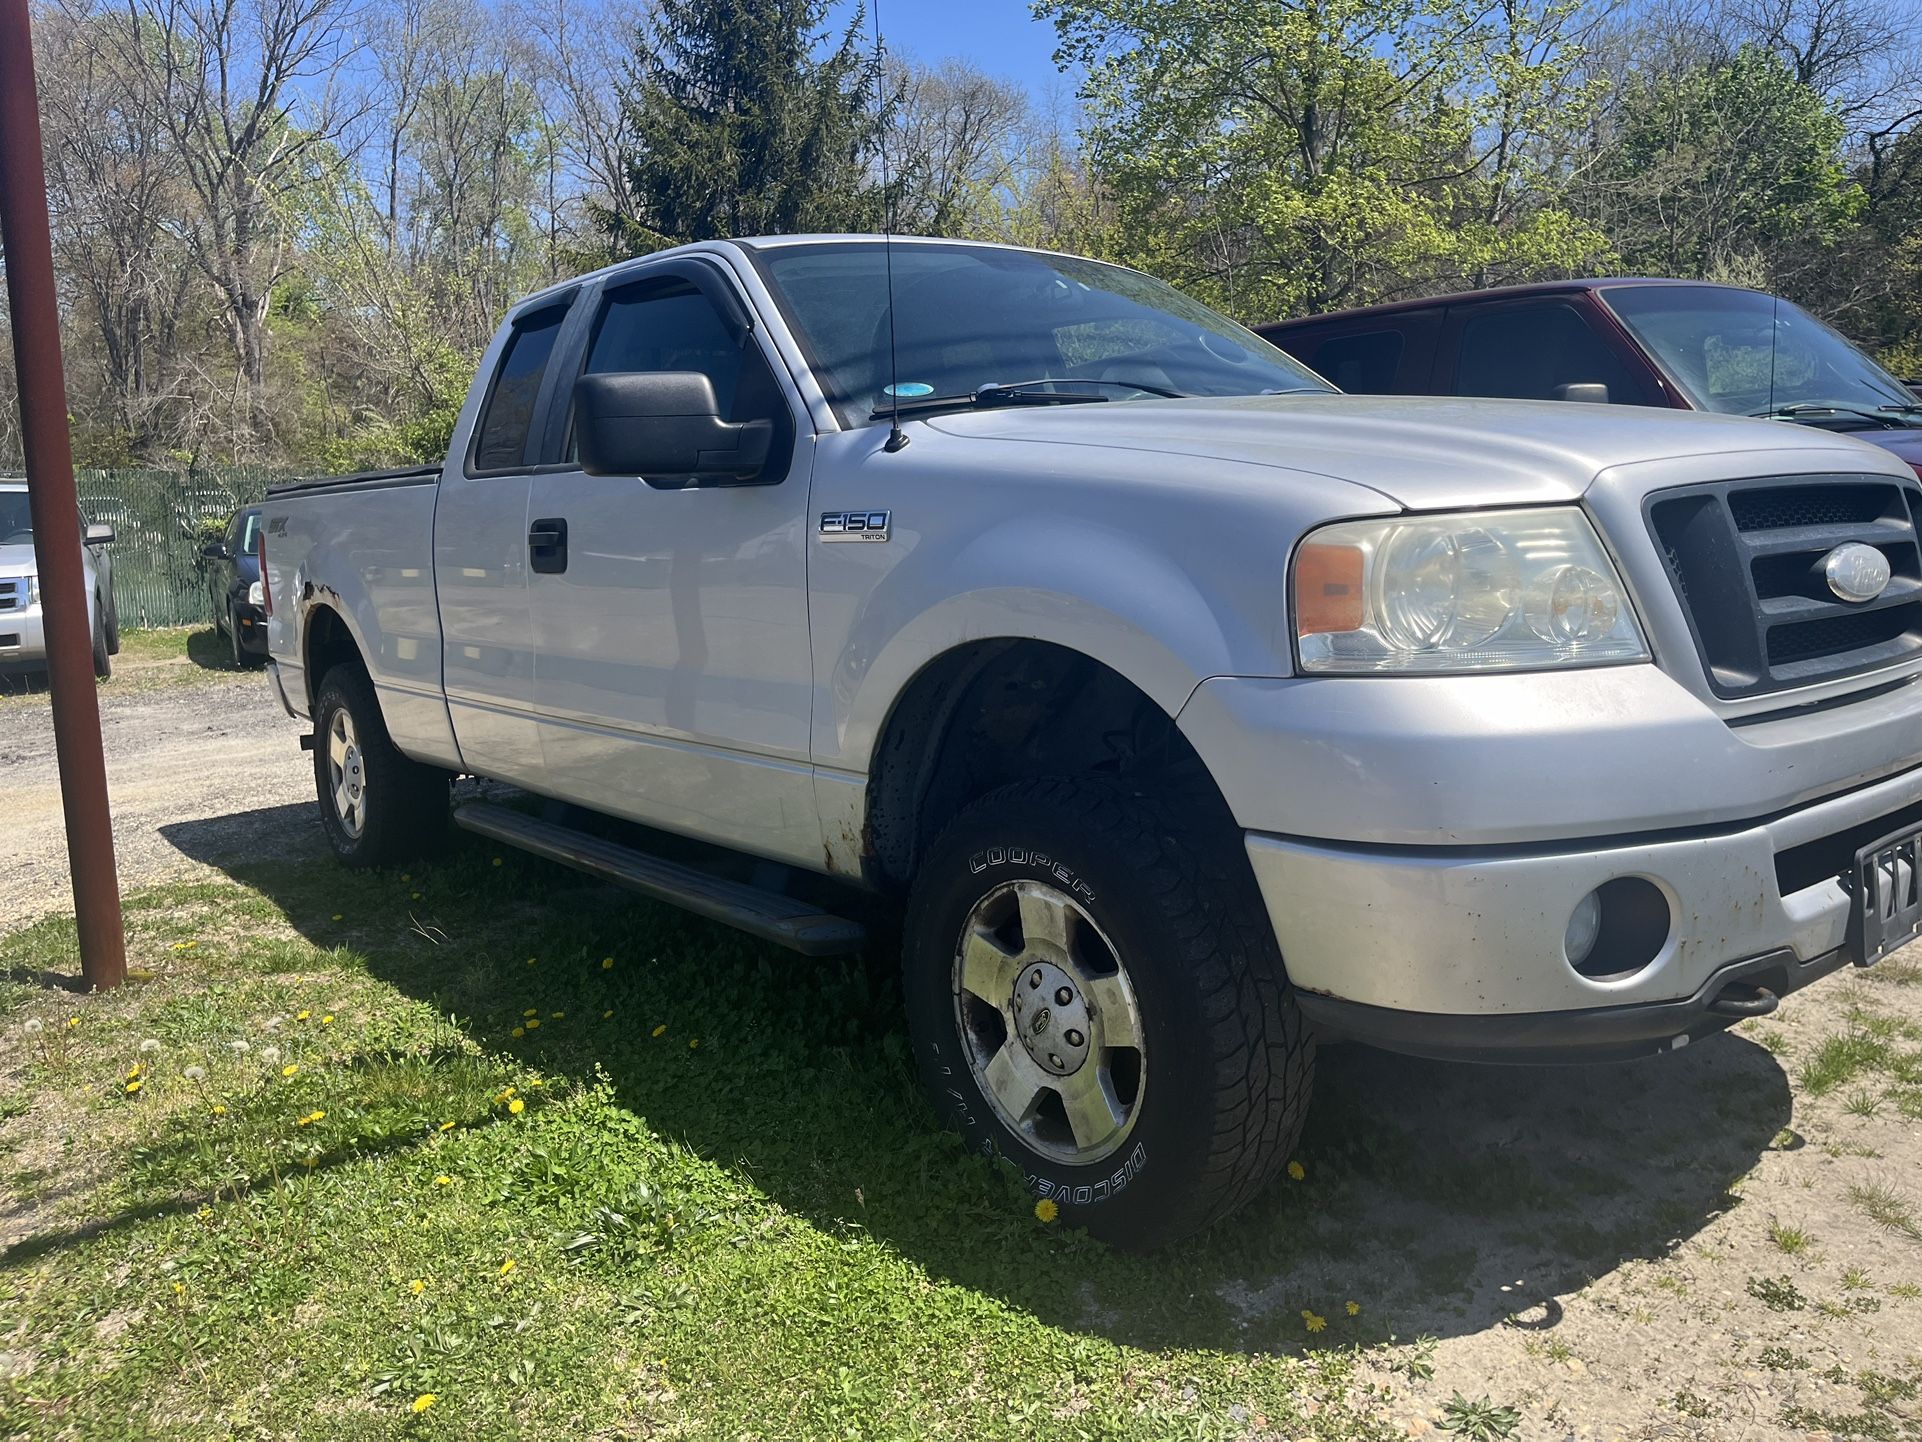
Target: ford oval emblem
[(1856, 572)]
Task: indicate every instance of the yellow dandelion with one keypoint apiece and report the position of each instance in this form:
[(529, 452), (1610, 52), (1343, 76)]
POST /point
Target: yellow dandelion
[(518, 1032), (507, 1266), (516, 1106), (73, 1021), (556, 1015), (532, 960), (660, 1030), (290, 1068), (132, 1087), (606, 1014), (497, 861), (133, 1071), (533, 1082), (506, 1092), (179, 1289), (1354, 1309), (1045, 1210), (693, 1043), (607, 963), (447, 1126), (1313, 1322), (424, 1401), (302, 1016), (413, 896), (337, 916), (405, 877), (1297, 1170), (417, 1286), (310, 1161), (327, 1020), (533, 1023), (443, 1180), (219, 1110), (532, 1011)]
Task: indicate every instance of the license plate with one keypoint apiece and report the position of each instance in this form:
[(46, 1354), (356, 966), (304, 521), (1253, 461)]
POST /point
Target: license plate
[(1888, 896)]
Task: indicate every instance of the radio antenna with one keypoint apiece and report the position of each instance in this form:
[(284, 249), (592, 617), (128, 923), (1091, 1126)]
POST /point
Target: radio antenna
[(897, 438)]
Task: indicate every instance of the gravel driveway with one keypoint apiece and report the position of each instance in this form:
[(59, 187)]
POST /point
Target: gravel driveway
[(217, 750)]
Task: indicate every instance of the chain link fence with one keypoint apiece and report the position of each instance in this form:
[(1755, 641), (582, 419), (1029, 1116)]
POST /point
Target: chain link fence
[(159, 519)]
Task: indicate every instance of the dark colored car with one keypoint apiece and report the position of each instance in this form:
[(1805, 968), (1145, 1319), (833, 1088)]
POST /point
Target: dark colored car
[(1688, 345), (232, 566)]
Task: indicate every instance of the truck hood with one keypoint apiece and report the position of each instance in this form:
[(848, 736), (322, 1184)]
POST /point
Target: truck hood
[(1423, 452), (1907, 444), (17, 560)]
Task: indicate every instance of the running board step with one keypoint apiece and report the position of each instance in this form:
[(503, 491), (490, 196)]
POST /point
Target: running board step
[(781, 919)]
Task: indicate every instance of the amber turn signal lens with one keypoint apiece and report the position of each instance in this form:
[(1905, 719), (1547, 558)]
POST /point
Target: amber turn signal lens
[(1327, 589)]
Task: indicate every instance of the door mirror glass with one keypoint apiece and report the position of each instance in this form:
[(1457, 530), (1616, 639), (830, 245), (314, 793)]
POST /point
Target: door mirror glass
[(216, 551), (98, 534), (1593, 392), (665, 427)]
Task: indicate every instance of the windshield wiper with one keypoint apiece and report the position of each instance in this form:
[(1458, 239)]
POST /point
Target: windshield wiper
[(1823, 408), (1015, 393)]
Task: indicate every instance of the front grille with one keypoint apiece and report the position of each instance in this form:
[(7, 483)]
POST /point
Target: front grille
[(1746, 561), (13, 593)]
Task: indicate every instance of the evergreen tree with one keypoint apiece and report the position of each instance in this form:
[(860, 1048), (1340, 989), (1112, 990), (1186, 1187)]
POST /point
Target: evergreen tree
[(747, 118)]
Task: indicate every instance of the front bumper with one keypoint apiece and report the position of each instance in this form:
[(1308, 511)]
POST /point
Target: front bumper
[(251, 628), (23, 640)]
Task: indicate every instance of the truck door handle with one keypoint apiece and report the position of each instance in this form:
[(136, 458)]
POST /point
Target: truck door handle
[(547, 546)]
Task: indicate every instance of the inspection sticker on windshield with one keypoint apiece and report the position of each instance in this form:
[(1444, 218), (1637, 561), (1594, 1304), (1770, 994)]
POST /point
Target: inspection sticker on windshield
[(855, 525), (908, 390)]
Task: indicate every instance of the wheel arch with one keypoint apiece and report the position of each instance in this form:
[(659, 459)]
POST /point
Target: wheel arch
[(989, 712)]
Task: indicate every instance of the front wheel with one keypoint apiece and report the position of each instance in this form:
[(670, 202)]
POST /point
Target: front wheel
[(102, 658), (1097, 996), (376, 805)]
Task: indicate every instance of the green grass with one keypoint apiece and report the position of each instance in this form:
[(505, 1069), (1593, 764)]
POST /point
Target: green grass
[(746, 1226), (150, 659)]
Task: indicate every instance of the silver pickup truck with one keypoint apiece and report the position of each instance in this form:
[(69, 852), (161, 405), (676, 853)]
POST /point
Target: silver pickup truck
[(1189, 710)]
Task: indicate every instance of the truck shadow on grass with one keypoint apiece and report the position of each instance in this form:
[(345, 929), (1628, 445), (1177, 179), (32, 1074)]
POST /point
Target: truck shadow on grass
[(1439, 1199)]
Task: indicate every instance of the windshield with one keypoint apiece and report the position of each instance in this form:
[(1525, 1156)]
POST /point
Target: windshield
[(16, 521), (970, 316), (1745, 353)]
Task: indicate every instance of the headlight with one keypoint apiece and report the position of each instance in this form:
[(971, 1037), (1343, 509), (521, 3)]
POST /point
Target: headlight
[(33, 590), (253, 594), (1481, 591)]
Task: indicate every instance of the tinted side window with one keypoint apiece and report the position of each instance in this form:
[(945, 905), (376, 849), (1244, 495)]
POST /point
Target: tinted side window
[(668, 325), (1364, 364), (1527, 352), (502, 437)]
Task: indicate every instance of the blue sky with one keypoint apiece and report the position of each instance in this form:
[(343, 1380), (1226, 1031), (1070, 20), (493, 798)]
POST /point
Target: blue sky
[(999, 36)]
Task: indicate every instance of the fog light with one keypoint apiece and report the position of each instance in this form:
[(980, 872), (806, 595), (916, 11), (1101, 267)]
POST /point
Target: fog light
[(1584, 925)]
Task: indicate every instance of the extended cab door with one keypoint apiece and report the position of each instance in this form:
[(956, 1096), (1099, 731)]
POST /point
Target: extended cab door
[(480, 553), (672, 670)]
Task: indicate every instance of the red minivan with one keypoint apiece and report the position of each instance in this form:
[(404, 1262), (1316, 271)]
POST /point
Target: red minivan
[(1687, 344)]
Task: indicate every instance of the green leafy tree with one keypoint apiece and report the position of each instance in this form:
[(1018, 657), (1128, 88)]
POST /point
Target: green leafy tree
[(1725, 169), (1279, 156), (745, 120)]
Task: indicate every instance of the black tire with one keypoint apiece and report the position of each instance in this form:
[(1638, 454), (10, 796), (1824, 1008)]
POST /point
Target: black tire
[(1227, 1063), (102, 661), (403, 805), (244, 660), (113, 625)]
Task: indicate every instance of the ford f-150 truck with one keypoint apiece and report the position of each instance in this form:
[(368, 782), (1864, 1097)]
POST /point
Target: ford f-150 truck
[(1190, 710)]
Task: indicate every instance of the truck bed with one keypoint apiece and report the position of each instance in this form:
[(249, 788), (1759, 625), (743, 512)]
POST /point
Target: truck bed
[(354, 481)]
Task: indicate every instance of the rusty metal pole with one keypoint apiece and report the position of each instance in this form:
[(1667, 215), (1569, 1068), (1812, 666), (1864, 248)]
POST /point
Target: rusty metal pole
[(56, 509)]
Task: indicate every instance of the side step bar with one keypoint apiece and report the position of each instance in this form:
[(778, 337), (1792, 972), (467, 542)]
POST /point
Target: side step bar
[(781, 919)]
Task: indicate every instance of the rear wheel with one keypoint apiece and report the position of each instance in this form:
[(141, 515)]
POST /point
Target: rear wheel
[(376, 805), (1095, 994), (244, 660), (113, 625)]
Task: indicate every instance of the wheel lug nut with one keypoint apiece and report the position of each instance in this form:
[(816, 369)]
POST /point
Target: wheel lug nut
[(1063, 996), (1075, 1038), (1055, 1061), (1034, 981)]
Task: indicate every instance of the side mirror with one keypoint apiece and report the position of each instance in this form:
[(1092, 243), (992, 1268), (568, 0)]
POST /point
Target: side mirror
[(1592, 392), (98, 534), (215, 551), (665, 427)]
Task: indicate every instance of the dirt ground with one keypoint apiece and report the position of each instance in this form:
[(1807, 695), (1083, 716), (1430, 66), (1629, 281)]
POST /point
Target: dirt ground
[(1725, 1244)]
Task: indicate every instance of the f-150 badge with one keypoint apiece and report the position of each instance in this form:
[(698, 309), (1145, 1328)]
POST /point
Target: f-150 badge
[(855, 525)]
